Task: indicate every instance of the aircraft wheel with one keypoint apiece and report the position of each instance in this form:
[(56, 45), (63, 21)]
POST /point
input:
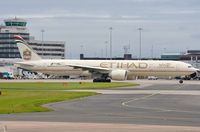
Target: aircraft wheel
[(180, 81), (108, 80), (101, 80), (95, 80)]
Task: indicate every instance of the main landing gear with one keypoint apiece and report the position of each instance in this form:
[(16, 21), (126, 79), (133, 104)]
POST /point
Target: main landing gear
[(102, 80)]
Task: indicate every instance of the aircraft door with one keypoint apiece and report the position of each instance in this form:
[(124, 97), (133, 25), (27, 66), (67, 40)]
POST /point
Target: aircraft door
[(177, 67)]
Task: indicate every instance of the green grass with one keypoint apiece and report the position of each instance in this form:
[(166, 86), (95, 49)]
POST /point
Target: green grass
[(27, 97), (17, 101), (62, 85)]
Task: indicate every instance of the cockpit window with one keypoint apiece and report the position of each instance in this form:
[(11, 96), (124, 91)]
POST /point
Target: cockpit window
[(189, 66)]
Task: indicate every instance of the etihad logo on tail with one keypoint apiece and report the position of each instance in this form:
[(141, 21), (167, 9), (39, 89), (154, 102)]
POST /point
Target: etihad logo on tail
[(27, 54)]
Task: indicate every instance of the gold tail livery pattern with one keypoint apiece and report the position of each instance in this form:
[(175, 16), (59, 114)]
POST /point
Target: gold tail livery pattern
[(26, 52)]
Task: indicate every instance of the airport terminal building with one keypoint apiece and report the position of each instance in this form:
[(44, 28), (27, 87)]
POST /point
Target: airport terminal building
[(8, 47), (16, 26), (48, 49), (9, 53)]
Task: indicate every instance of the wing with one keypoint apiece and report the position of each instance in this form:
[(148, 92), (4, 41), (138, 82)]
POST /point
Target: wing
[(21, 64), (90, 68)]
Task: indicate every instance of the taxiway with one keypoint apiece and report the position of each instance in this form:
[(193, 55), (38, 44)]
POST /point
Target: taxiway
[(154, 103)]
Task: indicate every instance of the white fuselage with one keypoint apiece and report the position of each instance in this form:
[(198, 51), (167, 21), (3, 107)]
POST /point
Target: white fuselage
[(133, 67)]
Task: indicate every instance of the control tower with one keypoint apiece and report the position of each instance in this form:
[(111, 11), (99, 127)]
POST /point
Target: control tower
[(11, 27), (15, 22), (17, 26)]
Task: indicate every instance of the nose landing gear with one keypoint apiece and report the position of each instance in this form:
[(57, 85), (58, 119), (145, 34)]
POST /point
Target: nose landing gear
[(181, 81)]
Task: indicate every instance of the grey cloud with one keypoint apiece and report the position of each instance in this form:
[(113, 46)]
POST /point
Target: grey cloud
[(171, 24)]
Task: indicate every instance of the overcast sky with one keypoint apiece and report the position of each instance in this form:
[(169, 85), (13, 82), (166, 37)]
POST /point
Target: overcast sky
[(168, 25)]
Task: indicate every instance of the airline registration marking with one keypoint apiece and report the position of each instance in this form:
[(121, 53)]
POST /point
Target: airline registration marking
[(165, 65), (127, 65)]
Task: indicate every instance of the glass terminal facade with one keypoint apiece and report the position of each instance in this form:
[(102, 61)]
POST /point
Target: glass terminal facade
[(16, 26), (13, 23), (8, 47)]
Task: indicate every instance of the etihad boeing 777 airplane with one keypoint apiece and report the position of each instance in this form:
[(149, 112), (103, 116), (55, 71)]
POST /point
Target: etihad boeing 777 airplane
[(100, 70)]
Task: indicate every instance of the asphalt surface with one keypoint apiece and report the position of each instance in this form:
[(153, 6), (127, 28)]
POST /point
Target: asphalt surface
[(153, 103), (26, 126), (154, 108)]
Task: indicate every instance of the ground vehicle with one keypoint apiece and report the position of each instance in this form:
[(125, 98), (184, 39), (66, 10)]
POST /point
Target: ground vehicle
[(6, 75), (152, 78)]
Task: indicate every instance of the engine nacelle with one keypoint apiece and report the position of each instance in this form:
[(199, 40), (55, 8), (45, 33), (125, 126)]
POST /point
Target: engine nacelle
[(86, 74), (119, 75)]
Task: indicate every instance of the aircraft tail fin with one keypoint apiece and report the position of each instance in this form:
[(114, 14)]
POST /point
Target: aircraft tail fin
[(26, 52)]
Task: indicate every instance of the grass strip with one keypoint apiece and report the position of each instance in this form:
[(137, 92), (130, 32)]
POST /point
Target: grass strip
[(61, 85), (16, 101)]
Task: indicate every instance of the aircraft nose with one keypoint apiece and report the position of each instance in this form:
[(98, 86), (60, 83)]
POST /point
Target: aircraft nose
[(196, 70)]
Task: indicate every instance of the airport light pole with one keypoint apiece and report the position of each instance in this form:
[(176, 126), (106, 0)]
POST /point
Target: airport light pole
[(152, 51), (110, 42), (140, 42), (42, 41), (69, 51), (106, 42)]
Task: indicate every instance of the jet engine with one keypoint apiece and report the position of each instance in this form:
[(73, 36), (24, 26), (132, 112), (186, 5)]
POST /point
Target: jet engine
[(86, 74), (119, 75)]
